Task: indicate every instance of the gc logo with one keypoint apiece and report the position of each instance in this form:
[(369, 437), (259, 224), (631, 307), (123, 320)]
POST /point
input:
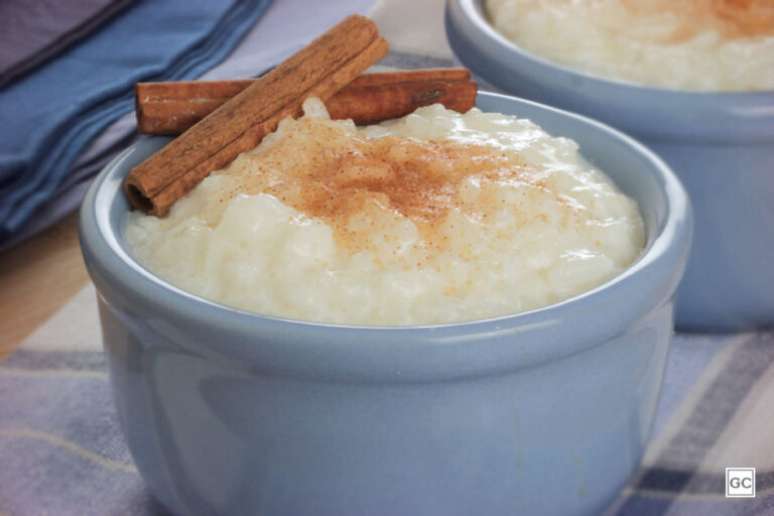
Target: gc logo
[(740, 482)]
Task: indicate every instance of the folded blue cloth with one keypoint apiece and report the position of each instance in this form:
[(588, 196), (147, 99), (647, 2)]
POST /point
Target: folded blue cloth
[(34, 31), (49, 117)]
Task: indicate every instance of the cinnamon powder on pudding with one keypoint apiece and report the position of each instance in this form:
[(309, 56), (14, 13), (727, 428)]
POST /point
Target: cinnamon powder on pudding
[(352, 182), (688, 45), (732, 19)]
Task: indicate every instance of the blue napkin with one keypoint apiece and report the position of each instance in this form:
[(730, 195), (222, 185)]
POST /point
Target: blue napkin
[(34, 31), (49, 117)]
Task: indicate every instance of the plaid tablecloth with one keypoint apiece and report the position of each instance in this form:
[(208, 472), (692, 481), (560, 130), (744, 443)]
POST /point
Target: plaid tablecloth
[(61, 451)]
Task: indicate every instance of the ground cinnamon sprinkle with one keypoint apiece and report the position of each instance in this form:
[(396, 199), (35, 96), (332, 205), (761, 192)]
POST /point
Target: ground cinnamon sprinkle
[(732, 19), (350, 181)]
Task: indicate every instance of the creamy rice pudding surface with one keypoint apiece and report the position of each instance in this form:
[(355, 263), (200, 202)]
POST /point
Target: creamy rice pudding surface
[(702, 45), (433, 218)]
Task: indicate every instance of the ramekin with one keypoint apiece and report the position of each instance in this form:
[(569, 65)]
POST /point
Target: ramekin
[(545, 412)]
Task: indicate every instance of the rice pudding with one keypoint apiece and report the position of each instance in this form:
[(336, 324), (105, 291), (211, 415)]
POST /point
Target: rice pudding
[(436, 217), (697, 45)]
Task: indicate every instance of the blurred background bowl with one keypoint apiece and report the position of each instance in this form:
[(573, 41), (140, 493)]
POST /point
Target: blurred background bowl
[(228, 412), (721, 146)]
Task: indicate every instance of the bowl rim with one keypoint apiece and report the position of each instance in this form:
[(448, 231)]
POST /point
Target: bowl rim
[(392, 350), (473, 9)]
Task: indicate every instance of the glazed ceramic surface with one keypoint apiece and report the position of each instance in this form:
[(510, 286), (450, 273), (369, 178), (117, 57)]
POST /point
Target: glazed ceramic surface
[(547, 412), (721, 145)]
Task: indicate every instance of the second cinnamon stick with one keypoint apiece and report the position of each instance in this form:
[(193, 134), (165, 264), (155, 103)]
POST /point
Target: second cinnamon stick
[(169, 108)]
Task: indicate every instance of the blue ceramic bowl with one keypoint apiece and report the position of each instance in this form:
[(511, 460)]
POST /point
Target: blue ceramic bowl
[(721, 145), (228, 412)]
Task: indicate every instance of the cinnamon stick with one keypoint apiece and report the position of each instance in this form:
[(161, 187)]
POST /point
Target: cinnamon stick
[(169, 108), (321, 69)]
